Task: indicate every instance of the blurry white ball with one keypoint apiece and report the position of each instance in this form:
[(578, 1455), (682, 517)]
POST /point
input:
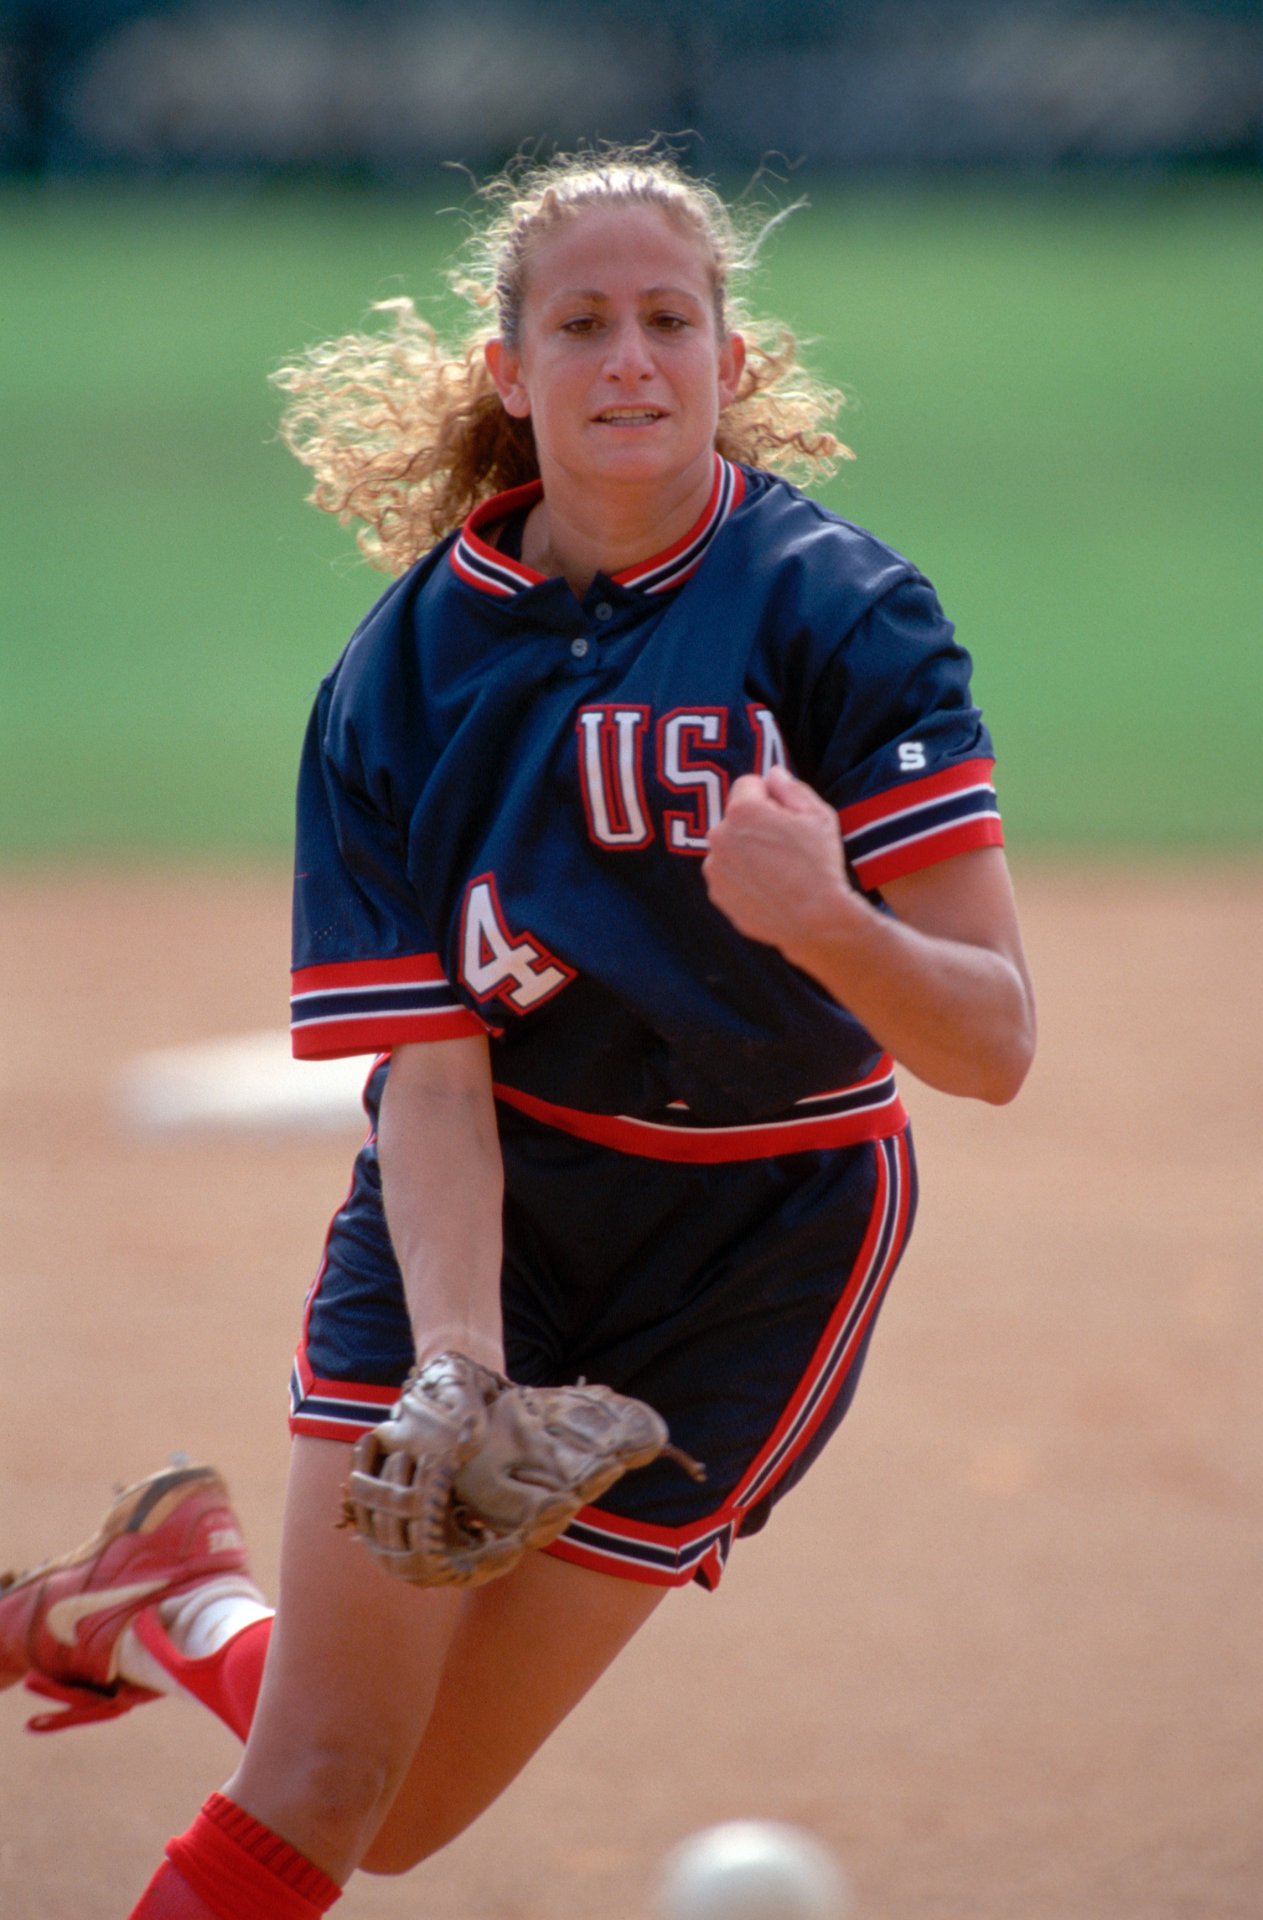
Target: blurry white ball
[(752, 1870)]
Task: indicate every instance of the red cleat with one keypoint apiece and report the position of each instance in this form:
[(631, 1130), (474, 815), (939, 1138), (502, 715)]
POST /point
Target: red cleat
[(61, 1623)]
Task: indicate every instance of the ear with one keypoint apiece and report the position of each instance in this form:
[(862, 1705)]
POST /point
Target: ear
[(504, 364), (732, 360)]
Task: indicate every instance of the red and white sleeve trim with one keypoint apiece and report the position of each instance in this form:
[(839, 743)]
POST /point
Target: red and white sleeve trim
[(369, 1006), (922, 822)]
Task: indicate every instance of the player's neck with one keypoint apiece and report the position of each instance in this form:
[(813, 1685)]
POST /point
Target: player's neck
[(578, 532)]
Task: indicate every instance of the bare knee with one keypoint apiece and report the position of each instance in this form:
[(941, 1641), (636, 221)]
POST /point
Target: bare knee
[(327, 1798)]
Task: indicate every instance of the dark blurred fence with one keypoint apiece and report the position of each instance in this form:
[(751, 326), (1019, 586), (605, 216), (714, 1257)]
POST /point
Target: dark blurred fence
[(376, 91)]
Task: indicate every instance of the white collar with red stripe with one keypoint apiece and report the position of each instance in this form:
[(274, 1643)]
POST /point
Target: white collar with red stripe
[(481, 565)]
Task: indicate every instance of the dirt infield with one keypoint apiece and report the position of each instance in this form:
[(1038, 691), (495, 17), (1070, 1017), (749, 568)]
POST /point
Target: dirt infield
[(1002, 1649)]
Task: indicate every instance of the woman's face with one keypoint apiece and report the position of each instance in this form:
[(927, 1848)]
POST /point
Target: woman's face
[(619, 365)]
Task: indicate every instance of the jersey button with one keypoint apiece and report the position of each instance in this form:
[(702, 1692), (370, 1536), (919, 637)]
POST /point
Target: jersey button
[(579, 647), (603, 610)]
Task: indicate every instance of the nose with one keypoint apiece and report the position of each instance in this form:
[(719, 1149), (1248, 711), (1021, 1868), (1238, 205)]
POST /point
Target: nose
[(627, 355)]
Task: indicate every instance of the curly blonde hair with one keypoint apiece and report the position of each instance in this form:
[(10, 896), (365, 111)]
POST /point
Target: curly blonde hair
[(407, 435)]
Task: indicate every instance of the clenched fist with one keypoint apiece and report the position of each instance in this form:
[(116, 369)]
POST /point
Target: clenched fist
[(775, 865)]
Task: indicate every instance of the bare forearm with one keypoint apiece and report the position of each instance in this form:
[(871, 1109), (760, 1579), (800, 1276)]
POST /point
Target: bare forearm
[(442, 1187), (942, 985), (957, 1015)]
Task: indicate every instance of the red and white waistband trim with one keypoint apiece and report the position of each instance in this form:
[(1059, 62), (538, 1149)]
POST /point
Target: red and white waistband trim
[(871, 1109)]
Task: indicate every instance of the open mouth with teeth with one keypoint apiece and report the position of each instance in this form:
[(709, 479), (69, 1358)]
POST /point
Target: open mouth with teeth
[(629, 416)]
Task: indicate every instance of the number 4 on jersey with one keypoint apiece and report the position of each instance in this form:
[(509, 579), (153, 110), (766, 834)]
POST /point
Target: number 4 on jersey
[(498, 964)]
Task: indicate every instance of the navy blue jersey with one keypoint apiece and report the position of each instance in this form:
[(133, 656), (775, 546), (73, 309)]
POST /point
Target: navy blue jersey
[(505, 797)]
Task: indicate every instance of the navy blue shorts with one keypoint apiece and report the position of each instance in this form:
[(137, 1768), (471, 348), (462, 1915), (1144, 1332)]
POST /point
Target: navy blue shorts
[(738, 1299)]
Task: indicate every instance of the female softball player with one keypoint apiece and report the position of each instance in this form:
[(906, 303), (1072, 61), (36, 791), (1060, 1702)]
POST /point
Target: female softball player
[(644, 823)]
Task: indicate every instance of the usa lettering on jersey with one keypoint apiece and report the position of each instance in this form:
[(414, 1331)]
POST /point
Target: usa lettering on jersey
[(615, 743)]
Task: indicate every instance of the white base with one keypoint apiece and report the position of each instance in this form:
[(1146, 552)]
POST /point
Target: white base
[(250, 1082)]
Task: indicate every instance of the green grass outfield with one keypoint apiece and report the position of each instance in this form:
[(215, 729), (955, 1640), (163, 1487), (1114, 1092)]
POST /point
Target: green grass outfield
[(1058, 413)]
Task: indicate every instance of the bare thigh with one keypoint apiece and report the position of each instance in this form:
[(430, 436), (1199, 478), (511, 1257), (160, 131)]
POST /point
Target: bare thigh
[(525, 1651), (390, 1717)]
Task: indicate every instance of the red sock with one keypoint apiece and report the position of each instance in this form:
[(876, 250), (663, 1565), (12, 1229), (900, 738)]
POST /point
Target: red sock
[(226, 1681), (229, 1866)]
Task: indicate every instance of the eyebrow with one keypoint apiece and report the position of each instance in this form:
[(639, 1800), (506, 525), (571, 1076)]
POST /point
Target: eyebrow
[(600, 298)]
